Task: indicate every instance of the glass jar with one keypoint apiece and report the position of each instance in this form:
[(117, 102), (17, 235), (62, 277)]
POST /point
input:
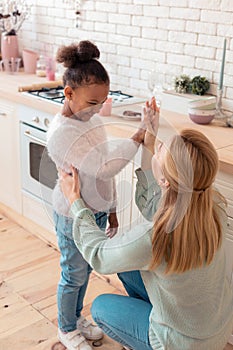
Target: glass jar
[(41, 67)]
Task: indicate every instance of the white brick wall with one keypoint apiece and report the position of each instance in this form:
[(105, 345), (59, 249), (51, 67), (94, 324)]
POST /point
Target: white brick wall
[(134, 36)]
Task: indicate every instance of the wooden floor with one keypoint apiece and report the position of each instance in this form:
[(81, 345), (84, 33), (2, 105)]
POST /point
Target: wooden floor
[(29, 272)]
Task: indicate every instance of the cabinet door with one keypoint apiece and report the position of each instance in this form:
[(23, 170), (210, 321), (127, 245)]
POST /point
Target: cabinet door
[(125, 197), (229, 250), (224, 184), (136, 217), (9, 156), (128, 213)]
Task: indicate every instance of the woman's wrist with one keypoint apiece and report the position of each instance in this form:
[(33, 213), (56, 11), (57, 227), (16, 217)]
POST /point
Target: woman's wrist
[(73, 197), (149, 141)]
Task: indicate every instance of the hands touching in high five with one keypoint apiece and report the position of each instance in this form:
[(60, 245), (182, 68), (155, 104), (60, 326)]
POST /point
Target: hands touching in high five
[(151, 119)]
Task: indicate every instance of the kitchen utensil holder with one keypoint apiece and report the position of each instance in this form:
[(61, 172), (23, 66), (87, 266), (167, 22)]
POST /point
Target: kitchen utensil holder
[(222, 114)]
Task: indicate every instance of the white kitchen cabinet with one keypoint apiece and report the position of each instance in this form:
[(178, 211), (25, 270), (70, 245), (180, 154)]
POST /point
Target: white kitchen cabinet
[(10, 194), (127, 211), (224, 183), (38, 211), (124, 189)]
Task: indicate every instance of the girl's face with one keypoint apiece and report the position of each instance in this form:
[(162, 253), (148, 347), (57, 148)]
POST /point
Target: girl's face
[(85, 101)]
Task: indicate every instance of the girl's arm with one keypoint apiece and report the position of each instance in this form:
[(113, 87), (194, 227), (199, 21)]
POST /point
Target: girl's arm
[(109, 158), (66, 146), (112, 217)]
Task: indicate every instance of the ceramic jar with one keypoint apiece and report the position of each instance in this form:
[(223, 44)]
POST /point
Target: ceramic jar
[(9, 46)]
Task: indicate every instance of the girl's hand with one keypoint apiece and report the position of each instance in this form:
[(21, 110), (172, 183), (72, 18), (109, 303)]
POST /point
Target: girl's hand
[(113, 225), (69, 184), (139, 135)]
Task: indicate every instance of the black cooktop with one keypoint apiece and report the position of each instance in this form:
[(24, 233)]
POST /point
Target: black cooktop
[(57, 94)]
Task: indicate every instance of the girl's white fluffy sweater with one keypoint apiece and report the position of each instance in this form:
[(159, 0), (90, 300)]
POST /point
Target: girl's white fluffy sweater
[(85, 146)]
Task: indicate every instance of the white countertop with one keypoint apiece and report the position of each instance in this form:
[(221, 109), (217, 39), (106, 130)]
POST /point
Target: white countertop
[(171, 122)]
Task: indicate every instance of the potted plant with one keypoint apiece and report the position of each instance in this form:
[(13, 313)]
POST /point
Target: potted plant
[(182, 84), (199, 85)]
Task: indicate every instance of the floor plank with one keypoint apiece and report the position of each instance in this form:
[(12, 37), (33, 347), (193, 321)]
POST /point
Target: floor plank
[(29, 272)]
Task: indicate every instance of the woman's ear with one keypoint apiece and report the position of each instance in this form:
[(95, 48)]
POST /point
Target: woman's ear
[(166, 183), (68, 92), (163, 183)]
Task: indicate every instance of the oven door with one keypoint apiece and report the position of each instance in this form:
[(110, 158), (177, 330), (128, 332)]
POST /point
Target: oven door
[(39, 172)]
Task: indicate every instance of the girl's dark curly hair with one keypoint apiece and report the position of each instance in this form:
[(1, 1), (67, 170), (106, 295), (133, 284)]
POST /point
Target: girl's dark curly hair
[(82, 65)]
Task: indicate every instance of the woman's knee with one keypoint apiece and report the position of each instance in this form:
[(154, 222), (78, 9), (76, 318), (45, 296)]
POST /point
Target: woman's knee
[(100, 305)]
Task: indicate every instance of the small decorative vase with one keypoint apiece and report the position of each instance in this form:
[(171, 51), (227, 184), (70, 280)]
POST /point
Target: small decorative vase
[(9, 46)]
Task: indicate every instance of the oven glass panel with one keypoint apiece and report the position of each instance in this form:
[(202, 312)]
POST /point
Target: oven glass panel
[(42, 168)]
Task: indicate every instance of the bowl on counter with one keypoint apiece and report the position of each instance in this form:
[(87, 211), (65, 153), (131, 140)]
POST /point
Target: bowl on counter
[(206, 103), (201, 116)]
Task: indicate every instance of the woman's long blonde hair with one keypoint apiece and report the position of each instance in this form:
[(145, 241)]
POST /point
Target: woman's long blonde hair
[(187, 230)]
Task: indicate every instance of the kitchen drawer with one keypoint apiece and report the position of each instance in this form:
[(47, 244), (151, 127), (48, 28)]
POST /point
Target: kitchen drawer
[(224, 184), (229, 259), (10, 194)]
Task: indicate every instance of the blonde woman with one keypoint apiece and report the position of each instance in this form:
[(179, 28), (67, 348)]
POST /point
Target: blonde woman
[(174, 268)]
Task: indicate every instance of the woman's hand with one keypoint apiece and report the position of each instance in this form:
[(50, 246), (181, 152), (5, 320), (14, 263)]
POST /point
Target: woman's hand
[(69, 184), (113, 225), (151, 120)]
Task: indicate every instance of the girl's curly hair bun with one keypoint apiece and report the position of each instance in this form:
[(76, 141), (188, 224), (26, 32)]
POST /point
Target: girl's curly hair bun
[(74, 54)]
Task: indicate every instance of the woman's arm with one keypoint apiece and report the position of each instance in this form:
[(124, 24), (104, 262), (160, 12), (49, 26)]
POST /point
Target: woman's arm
[(121, 253), (125, 252), (151, 119), (148, 194)]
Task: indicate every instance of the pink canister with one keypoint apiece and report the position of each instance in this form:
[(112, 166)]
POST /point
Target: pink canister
[(9, 46)]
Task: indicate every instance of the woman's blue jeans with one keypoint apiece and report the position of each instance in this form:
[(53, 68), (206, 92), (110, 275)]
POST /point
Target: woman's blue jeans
[(75, 272), (125, 318)]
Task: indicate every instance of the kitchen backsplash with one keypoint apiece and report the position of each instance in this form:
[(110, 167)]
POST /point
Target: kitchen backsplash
[(136, 36)]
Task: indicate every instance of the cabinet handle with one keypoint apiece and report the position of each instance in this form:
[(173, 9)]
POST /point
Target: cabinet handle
[(34, 138), (3, 114)]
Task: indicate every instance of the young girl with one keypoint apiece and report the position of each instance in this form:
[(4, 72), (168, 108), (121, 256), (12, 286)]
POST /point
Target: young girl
[(173, 269), (77, 137)]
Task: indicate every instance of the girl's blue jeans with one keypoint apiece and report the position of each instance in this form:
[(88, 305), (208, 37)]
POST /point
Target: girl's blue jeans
[(75, 272), (125, 318)]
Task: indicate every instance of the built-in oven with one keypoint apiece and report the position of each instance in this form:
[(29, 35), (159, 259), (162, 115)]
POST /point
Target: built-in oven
[(38, 171)]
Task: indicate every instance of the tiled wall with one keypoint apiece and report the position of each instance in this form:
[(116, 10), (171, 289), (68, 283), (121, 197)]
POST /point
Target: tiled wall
[(134, 36)]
